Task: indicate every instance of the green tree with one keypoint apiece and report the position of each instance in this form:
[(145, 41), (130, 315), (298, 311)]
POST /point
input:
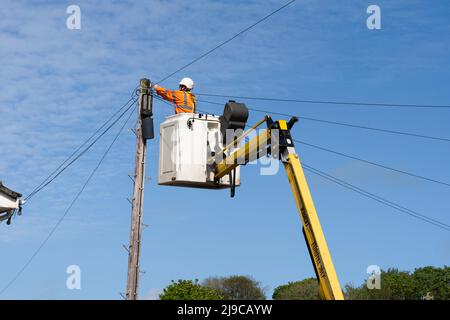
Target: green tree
[(189, 290), (432, 281), (236, 287), (307, 289), (402, 285), (395, 285)]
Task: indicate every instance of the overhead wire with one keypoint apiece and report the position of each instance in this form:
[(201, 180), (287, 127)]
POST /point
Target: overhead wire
[(132, 98), (52, 231), (356, 126), (61, 168), (330, 102), (377, 198), (226, 41), (414, 175)]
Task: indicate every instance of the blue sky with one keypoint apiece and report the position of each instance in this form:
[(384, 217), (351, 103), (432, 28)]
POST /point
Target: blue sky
[(59, 85)]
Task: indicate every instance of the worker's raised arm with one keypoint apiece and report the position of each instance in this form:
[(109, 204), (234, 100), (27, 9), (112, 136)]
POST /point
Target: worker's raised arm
[(164, 93)]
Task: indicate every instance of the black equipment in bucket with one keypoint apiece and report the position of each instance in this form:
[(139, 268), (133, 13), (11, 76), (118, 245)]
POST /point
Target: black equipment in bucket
[(234, 117)]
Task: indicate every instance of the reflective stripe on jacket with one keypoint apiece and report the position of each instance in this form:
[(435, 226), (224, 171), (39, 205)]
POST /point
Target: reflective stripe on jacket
[(184, 101)]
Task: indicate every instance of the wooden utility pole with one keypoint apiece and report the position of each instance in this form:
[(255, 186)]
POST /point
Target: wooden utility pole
[(144, 114)]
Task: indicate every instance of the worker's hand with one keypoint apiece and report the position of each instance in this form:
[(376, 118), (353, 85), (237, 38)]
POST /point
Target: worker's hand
[(154, 86)]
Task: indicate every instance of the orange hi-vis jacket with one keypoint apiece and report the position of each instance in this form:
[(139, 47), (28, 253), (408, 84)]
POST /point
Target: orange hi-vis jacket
[(184, 101)]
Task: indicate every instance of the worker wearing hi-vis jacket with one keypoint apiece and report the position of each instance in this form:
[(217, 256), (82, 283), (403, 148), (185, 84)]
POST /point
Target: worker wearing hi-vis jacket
[(183, 99)]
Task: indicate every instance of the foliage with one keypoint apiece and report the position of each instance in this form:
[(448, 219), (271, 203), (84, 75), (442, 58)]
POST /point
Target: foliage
[(236, 287), (432, 280), (424, 282), (189, 290), (395, 285), (307, 289)]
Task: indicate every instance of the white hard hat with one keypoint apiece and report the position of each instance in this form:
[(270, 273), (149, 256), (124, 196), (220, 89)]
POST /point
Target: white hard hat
[(188, 82)]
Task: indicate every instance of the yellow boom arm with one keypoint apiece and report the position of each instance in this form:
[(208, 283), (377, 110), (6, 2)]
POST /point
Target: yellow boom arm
[(282, 142)]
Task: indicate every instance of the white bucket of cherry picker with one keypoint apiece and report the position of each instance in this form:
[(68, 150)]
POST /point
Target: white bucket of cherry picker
[(187, 142)]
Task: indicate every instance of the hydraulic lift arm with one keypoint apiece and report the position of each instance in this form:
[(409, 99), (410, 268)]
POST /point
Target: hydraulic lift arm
[(278, 141)]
